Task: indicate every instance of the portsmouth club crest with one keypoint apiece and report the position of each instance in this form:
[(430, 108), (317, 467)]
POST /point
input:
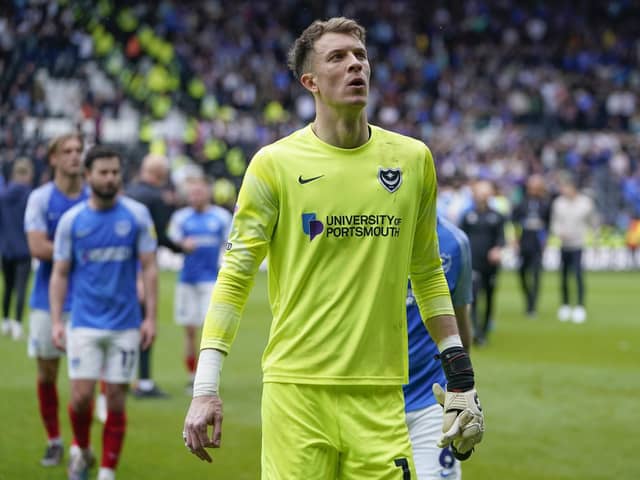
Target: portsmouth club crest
[(390, 178)]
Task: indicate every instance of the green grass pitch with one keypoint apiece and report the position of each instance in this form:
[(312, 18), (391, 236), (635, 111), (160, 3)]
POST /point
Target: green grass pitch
[(562, 401)]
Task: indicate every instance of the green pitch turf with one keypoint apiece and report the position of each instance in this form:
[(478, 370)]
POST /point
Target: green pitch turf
[(561, 400)]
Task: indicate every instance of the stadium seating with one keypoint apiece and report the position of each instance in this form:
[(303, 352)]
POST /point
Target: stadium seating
[(496, 89)]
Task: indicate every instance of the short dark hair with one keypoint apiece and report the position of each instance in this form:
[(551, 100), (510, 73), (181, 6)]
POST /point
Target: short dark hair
[(298, 55), (100, 151)]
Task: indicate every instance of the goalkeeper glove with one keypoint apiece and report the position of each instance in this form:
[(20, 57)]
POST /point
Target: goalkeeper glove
[(463, 422)]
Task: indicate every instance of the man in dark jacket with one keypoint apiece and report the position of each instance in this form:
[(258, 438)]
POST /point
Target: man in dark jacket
[(531, 218), (150, 189), (485, 228), (16, 258)]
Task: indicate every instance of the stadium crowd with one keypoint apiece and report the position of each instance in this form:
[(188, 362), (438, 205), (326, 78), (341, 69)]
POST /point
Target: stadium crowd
[(496, 89)]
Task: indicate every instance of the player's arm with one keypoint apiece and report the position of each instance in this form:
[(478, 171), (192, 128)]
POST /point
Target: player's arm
[(146, 245), (463, 321), (59, 282), (35, 226), (251, 231), (149, 276), (175, 232), (57, 292), (462, 294), (463, 422), (427, 277), (39, 245)]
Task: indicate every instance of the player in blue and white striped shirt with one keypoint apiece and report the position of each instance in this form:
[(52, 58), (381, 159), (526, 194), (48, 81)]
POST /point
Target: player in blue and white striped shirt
[(424, 414)]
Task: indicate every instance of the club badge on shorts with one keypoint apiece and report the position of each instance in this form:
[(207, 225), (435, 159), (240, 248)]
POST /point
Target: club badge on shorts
[(390, 178)]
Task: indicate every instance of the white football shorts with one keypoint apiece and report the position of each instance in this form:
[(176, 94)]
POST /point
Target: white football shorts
[(110, 355), (432, 462), (40, 343), (191, 302)]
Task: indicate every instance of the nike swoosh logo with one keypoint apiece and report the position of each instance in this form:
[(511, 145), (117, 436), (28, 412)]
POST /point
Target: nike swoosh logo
[(302, 181)]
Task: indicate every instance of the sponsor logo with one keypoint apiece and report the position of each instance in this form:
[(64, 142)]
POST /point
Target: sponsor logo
[(122, 228), (106, 254), (390, 178), (341, 226), (228, 245), (302, 181), (205, 240), (346, 226), (311, 226)]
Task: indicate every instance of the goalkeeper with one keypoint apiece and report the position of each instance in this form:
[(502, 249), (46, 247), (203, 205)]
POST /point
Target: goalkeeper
[(344, 211), (433, 458)]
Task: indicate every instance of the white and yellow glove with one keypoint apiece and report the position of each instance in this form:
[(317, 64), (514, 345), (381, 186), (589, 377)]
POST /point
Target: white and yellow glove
[(463, 422)]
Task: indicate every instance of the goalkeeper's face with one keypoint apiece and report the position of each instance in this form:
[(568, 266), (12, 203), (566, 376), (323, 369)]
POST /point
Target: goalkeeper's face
[(105, 177), (340, 71)]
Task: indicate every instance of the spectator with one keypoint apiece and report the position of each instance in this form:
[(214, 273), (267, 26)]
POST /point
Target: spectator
[(485, 228), (531, 219), (150, 191), (16, 258), (572, 216)]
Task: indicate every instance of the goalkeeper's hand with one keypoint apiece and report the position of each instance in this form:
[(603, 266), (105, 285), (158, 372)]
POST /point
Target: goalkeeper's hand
[(463, 422)]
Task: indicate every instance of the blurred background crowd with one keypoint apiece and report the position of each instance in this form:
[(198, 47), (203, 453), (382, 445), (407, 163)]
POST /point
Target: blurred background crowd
[(499, 89)]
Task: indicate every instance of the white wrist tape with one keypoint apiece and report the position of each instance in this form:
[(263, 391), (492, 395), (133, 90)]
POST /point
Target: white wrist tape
[(208, 372), (448, 342)]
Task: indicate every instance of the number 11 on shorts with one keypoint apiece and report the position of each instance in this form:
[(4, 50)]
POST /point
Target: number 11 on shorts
[(128, 359)]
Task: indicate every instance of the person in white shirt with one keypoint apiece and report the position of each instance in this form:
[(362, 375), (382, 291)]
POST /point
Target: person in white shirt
[(573, 214)]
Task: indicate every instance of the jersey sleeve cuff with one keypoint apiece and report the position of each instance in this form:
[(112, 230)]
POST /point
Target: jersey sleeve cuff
[(212, 343), (439, 306)]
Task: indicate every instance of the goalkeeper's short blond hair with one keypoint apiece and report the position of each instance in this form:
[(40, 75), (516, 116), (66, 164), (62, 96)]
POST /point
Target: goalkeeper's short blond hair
[(298, 56)]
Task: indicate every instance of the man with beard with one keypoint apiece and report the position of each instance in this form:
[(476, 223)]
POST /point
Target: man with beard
[(97, 246)]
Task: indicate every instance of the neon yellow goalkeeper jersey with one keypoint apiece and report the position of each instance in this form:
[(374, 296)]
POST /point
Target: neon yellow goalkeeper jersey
[(343, 230)]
